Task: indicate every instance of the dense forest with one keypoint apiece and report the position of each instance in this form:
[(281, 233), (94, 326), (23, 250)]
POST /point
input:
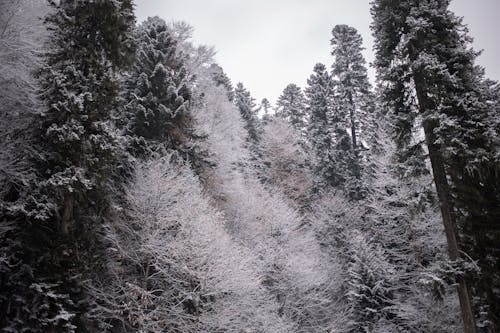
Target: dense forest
[(141, 191)]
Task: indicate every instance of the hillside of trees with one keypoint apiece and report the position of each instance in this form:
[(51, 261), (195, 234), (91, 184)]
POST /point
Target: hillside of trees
[(141, 190)]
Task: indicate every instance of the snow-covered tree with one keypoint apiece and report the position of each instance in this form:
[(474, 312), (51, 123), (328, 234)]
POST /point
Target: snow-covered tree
[(424, 57), (176, 269), (266, 108), (369, 288), (295, 272), (291, 105), (247, 107), (75, 149), (402, 217), (21, 37), (319, 93), (353, 99), (140, 191), (222, 79), (286, 159), (89, 43), (157, 101)]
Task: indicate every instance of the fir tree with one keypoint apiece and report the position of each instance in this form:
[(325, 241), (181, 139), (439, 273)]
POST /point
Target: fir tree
[(76, 151), (89, 43), (369, 290), (291, 105), (422, 47), (157, 91), (265, 106), (221, 79), (319, 108), (246, 105), (353, 98)]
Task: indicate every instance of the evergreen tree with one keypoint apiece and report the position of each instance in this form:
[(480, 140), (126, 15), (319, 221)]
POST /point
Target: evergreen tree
[(319, 108), (422, 47), (352, 95), (402, 216), (157, 91), (75, 155), (265, 105), (246, 105), (221, 79), (369, 289), (291, 105), (89, 43)]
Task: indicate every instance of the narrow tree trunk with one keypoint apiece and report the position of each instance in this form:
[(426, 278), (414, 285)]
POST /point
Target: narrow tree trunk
[(353, 126), (68, 214), (357, 171), (443, 191), (446, 205)]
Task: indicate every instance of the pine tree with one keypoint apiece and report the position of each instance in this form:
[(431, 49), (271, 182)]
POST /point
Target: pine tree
[(422, 47), (157, 91), (353, 97), (291, 105)]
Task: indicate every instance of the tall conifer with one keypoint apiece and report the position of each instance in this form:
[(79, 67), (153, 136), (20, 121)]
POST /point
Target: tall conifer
[(427, 68)]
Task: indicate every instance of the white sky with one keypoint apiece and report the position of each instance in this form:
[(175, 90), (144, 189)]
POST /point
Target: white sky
[(267, 44)]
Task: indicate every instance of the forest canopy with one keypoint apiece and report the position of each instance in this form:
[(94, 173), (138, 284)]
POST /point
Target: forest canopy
[(142, 190)]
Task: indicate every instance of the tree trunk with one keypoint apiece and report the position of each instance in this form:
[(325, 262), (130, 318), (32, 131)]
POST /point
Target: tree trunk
[(443, 191), (357, 171), (444, 195), (68, 214)]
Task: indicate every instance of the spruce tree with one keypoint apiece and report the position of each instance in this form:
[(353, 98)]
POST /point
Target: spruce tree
[(89, 44), (75, 151), (426, 64), (246, 105), (319, 109), (265, 106), (368, 286), (353, 97), (221, 79), (291, 105), (157, 91)]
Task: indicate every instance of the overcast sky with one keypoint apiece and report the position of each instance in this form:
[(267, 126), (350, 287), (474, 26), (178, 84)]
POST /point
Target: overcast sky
[(267, 44)]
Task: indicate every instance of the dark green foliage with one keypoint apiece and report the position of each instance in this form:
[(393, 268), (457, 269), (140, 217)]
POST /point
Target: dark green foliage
[(221, 79), (327, 133), (291, 105), (89, 41), (246, 105), (422, 43), (157, 91), (265, 105), (319, 93), (76, 153), (353, 101), (41, 281), (369, 288), (397, 96)]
